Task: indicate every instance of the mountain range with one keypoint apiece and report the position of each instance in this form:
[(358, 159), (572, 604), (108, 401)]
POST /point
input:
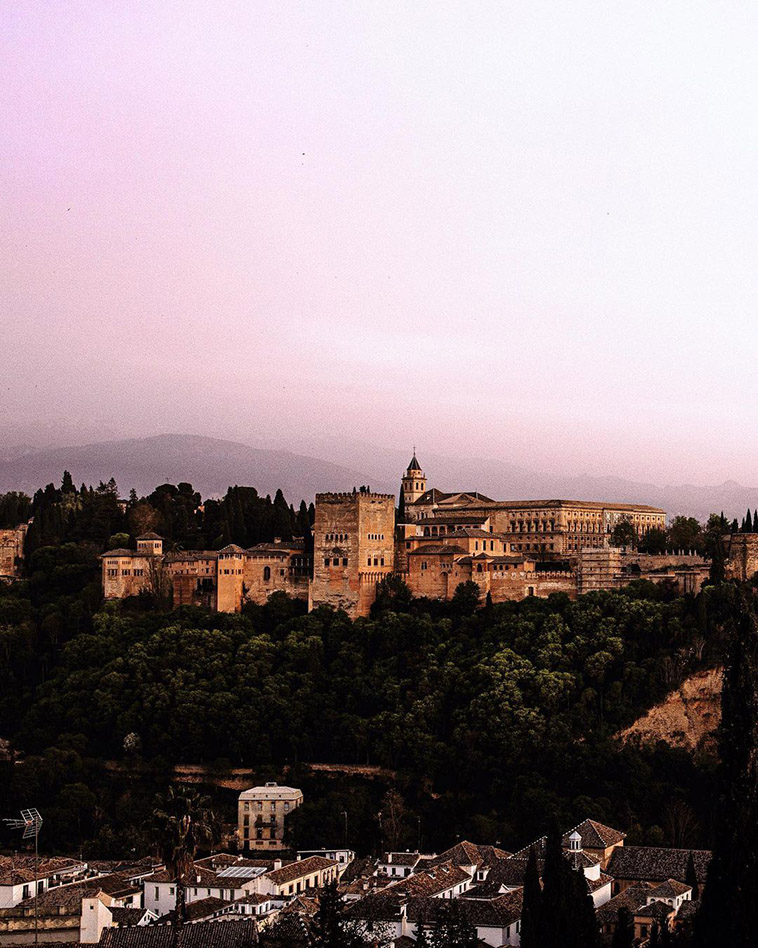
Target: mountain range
[(212, 464)]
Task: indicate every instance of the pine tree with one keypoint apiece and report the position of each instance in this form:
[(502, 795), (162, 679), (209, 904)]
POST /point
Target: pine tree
[(531, 910), (729, 910)]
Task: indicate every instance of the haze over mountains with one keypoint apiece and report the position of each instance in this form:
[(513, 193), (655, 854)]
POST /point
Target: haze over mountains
[(211, 465)]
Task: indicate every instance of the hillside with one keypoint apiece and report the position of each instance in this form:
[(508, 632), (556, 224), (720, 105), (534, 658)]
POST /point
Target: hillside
[(688, 717), (209, 464), (212, 464)]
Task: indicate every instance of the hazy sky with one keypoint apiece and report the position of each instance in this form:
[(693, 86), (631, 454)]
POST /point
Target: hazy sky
[(522, 229)]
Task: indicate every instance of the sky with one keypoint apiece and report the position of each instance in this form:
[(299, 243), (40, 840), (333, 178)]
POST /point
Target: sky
[(523, 230)]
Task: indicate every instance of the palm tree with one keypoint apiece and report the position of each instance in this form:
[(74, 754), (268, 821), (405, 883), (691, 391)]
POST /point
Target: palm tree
[(182, 822)]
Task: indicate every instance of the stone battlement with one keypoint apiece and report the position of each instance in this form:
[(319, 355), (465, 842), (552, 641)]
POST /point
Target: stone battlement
[(340, 496)]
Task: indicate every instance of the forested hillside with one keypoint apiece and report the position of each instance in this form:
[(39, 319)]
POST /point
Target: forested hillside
[(493, 717)]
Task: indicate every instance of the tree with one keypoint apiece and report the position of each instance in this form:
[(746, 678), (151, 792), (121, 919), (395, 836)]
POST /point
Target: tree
[(392, 594), (653, 541), (685, 533), (624, 534), (158, 586), (690, 877), (455, 930), (465, 599), (729, 910), (392, 818), (330, 928), (623, 933), (531, 911), (182, 822)]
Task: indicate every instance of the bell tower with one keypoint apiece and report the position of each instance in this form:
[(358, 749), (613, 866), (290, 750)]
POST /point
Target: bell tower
[(413, 483)]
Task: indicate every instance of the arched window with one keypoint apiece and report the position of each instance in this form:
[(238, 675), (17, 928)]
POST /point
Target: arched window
[(266, 573)]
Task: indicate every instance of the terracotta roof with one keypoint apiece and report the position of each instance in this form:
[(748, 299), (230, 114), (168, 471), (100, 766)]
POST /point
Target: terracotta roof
[(657, 864), (149, 536), (631, 898), (430, 882), (670, 889), (127, 916), (199, 909), (199, 876), (603, 879), (462, 854), (657, 910), (436, 549), (595, 835), (237, 934), (400, 859), (120, 551), (376, 907), (493, 913), (296, 870), (231, 548)]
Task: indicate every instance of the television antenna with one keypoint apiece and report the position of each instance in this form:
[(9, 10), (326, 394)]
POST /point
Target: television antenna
[(30, 823)]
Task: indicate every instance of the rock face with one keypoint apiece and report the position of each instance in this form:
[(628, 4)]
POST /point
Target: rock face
[(688, 717)]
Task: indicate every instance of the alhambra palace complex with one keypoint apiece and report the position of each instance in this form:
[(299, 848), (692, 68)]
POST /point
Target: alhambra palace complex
[(510, 549)]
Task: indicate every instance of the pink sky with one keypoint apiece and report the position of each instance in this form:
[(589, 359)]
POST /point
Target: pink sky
[(524, 229)]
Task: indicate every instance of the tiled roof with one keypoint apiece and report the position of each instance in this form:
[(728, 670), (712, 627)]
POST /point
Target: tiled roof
[(656, 910), (509, 872), (435, 549), (236, 934), (631, 898), (603, 879), (127, 916), (657, 864), (670, 889), (429, 882), (595, 835), (199, 876), (358, 868), (231, 548), (296, 870), (199, 909), (400, 859), (376, 907), (493, 913), (462, 854), (120, 551), (149, 536)]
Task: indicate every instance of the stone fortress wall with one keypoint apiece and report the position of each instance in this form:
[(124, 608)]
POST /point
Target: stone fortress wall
[(510, 549)]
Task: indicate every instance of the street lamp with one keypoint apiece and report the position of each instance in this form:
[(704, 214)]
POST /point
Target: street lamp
[(30, 822)]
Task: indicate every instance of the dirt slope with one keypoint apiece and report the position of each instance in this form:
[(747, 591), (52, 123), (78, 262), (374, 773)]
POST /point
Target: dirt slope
[(687, 717)]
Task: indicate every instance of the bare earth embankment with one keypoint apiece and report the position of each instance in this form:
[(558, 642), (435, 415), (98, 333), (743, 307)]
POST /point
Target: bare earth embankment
[(688, 717)]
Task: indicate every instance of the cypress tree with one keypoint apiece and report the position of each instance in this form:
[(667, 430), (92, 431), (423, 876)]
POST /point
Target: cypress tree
[(690, 877), (623, 934), (729, 910), (755, 520), (554, 894), (531, 910)]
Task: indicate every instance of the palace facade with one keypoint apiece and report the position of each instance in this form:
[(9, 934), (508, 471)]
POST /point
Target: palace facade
[(510, 549)]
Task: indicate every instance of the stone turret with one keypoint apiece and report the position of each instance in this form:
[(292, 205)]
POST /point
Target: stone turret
[(413, 484)]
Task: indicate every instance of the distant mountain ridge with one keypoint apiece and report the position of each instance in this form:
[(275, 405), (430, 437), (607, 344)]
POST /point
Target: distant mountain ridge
[(212, 464)]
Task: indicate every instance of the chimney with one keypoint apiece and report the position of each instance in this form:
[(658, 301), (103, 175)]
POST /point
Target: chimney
[(277, 864)]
